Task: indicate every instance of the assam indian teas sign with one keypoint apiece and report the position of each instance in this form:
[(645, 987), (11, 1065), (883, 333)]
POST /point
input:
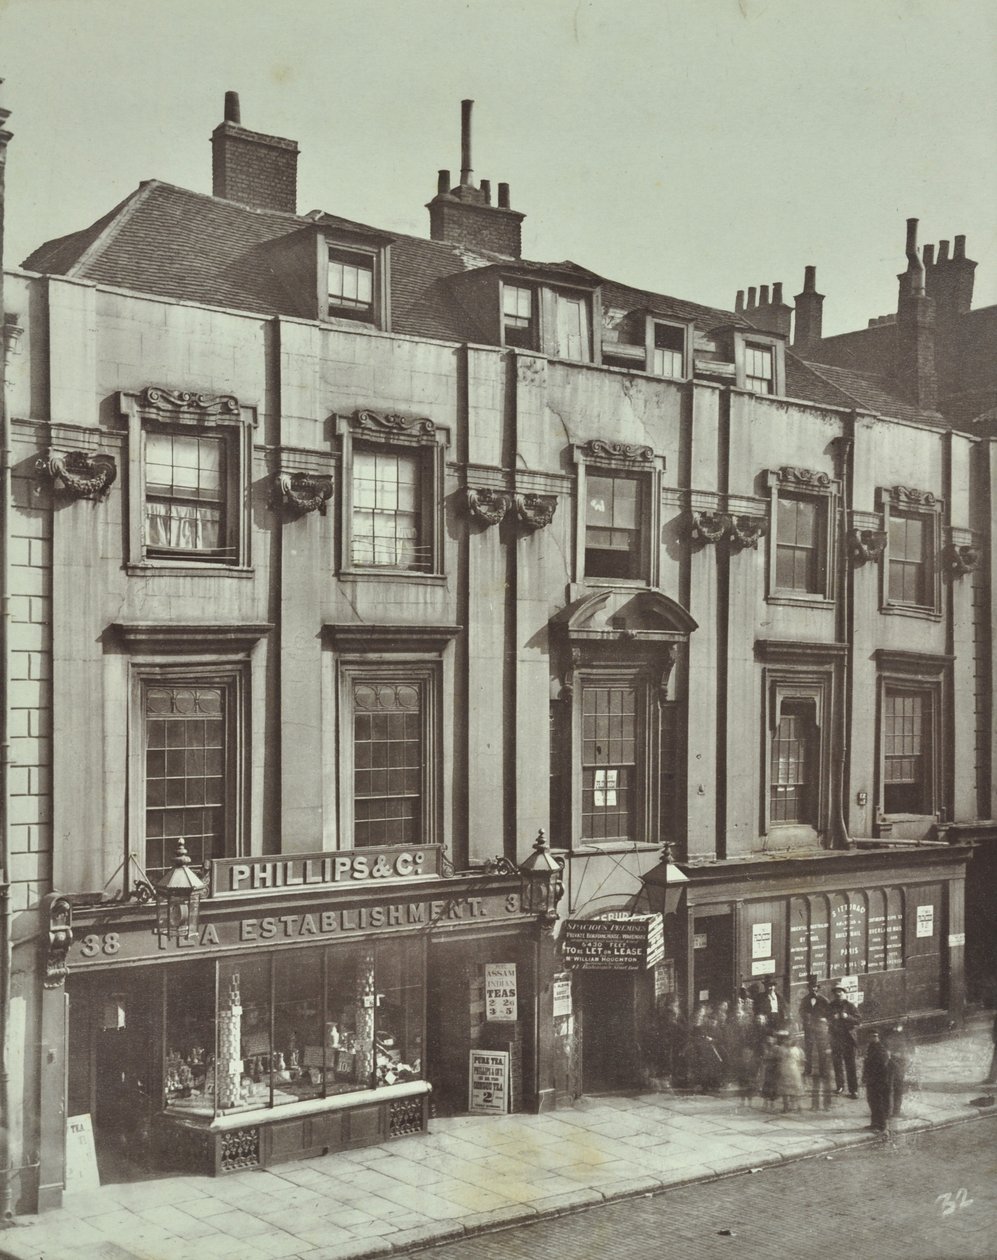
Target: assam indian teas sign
[(632, 942)]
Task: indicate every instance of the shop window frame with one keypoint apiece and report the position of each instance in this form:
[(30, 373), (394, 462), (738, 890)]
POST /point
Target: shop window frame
[(415, 436), (184, 413), (908, 503), (823, 491), (600, 457)]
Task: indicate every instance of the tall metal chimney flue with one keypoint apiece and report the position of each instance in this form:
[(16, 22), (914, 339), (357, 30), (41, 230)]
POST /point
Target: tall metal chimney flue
[(465, 141)]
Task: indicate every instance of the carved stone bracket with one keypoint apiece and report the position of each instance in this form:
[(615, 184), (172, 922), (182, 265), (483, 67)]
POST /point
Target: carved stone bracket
[(78, 474), (709, 527), (534, 511), (805, 478), (486, 505), (960, 560), (298, 493), (865, 545), (745, 531)]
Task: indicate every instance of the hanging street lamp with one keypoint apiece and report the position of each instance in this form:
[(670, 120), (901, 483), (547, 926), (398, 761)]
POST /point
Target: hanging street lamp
[(543, 883), (178, 898)]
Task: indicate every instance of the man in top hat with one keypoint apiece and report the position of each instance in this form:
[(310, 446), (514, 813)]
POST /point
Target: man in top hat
[(843, 1018), (814, 1006), (772, 1005)]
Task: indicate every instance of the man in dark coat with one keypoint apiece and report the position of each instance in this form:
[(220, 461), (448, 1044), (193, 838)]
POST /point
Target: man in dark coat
[(772, 1005), (876, 1079), (814, 1006), (844, 1019)]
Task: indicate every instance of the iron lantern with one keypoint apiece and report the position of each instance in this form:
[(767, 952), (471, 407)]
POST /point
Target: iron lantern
[(664, 884), (178, 898), (543, 885)]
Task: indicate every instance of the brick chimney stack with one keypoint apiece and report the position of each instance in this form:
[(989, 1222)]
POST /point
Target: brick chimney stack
[(465, 215), (914, 364), (809, 325), (254, 169), (949, 280), (770, 314)]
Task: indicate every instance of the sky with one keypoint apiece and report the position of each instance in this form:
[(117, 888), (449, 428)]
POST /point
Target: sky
[(691, 147)]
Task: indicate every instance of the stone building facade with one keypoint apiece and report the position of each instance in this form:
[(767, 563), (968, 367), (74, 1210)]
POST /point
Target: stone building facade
[(355, 560)]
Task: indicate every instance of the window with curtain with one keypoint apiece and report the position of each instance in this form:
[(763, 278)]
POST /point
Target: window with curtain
[(185, 495), (387, 510)]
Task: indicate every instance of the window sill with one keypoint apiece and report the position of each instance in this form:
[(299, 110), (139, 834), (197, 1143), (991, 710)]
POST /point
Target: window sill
[(617, 584), (800, 601), (922, 613), (184, 568), (590, 849), (392, 575)]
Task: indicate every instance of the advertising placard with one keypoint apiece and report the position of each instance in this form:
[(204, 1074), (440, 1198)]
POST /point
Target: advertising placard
[(925, 920), (81, 1156), (500, 992), (633, 943), (761, 940), (562, 995), (488, 1083)]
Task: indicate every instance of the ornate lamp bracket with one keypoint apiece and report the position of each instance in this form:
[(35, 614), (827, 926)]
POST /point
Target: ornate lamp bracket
[(745, 531), (78, 474), (960, 560), (298, 493), (534, 511), (486, 505), (865, 545)]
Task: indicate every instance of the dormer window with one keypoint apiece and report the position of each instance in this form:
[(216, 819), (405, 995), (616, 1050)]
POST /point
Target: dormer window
[(571, 328), (518, 323), (351, 285), (759, 368), (668, 350)]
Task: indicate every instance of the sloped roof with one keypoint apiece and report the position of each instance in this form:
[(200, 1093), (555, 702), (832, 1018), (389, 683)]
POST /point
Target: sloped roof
[(871, 392)]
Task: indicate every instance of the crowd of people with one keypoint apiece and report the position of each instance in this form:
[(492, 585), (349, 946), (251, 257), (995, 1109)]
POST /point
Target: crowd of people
[(782, 1056)]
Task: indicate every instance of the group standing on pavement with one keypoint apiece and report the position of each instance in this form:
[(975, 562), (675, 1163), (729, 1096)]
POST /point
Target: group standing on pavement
[(752, 1043)]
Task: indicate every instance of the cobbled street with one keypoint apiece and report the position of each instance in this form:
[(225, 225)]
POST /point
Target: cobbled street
[(923, 1196)]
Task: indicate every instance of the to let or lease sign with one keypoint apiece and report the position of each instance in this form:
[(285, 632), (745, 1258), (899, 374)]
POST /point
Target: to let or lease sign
[(633, 943)]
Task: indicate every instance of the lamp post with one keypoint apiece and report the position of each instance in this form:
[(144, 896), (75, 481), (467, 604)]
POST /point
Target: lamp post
[(543, 883), (178, 898)]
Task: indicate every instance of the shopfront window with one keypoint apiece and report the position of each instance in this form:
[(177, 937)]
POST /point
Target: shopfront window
[(307, 1024)]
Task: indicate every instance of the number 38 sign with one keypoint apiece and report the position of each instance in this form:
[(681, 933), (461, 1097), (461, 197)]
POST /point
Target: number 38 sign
[(488, 1083)]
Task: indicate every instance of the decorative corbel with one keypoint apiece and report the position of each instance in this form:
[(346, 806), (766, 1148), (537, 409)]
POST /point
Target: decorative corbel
[(534, 511), (78, 474), (486, 505), (568, 681), (670, 655), (709, 527), (865, 545), (57, 939), (745, 531), (298, 493), (960, 560)]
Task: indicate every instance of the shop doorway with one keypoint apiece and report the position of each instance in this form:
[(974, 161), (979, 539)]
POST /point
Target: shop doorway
[(609, 1044), (712, 957)]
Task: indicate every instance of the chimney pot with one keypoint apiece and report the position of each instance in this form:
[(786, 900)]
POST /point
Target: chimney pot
[(752, 291), (442, 183), (232, 111), (465, 141), (739, 301), (960, 248), (911, 246), (928, 255), (943, 252), (503, 196), (486, 191), (763, 297), (810, 279), (777, 293)]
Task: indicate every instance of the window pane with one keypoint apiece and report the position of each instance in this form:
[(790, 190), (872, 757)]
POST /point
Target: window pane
[(189, 1067), (190, 775), (909, 573), (351, 284), (608, 762), (386, 517), (297, 1025), (184, 479), (345, 1051), (792, 769), (387, 734), (398, 1013), (907, 768)]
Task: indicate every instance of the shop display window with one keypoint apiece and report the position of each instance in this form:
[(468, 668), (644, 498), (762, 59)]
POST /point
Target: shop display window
[(250, 1033)]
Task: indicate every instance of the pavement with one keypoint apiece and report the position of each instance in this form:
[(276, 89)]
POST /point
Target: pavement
[(473, 1174)]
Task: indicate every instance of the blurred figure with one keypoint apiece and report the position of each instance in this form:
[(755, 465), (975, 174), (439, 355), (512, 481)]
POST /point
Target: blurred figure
[(789, 1072), (814, 1006), (876, 1079), (768, 1072), (772, 1005), (820, 1066), (901, 1050), (705, 1063), (844, 1019)]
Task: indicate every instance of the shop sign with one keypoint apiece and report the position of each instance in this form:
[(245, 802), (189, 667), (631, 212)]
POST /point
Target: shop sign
[(500, 993), (488, 1083), (562, 995), (926, 920), (108, 941), (241, 877), (631, 943), (81, 1157), (761, 940), (699, 940)]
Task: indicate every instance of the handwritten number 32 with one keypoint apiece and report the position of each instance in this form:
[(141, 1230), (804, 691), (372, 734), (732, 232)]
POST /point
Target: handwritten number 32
[(950, 1202)]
